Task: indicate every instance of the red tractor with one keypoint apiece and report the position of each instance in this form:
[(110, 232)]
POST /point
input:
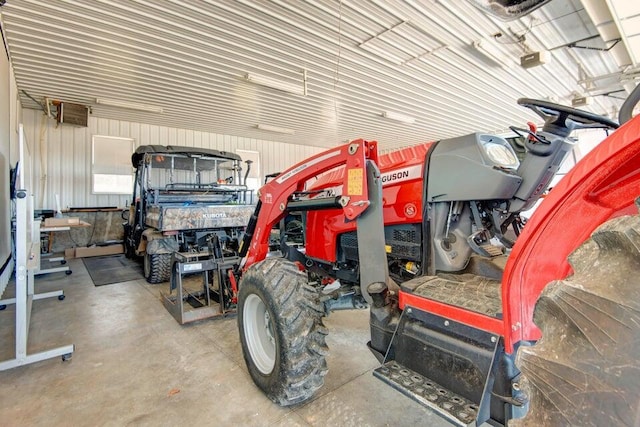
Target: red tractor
[(472, 314)]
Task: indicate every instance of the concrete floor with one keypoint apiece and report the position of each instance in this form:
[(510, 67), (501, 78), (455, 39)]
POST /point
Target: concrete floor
[(135, 365)]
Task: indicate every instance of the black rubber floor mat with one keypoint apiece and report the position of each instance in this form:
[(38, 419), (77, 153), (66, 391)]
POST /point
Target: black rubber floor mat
[(475, 293), (109, 269)]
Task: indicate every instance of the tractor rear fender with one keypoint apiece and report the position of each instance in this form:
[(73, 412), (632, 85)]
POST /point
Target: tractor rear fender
[(154, 242), (600, 187)]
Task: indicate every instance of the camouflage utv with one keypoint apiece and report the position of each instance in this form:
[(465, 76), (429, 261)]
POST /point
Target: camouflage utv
[(182, 197)]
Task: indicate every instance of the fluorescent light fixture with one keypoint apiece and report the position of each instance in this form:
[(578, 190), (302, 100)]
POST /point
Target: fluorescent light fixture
[(276, 129), (279, 84), (491, 52), (398, 117), (129, 105)]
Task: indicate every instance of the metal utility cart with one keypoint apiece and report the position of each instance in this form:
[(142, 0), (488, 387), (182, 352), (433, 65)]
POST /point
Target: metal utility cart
[(202, 284)]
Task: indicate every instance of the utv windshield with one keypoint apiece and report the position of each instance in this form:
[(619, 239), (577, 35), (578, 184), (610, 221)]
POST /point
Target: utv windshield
[(170, 171)]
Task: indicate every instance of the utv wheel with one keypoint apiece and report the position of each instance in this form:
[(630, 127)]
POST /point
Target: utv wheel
[(157, 267), (281, 331), (585, 370)]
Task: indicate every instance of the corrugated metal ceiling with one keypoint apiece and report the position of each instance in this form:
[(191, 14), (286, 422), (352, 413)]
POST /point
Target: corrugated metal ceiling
[(362, 58)]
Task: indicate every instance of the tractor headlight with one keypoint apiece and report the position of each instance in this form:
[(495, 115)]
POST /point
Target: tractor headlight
[(501, 154)]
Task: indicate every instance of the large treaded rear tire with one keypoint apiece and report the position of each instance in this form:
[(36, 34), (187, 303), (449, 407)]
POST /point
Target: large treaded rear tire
[(586, 369), (157, 267), (281, 331)]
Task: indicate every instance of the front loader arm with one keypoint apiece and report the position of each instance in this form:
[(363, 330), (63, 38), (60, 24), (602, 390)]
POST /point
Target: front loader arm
[(275, 196)]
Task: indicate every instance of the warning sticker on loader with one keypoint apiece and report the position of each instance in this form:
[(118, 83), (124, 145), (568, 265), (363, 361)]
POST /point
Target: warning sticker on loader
[(354, 182)]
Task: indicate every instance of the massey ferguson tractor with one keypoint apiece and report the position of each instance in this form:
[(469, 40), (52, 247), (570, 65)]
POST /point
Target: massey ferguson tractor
[(473, 313)]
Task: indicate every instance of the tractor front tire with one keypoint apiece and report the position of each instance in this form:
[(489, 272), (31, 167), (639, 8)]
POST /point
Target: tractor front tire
[(157, 267), (585, 370), (281, 331)]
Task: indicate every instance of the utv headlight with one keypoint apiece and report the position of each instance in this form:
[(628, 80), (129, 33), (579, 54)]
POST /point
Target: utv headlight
[(501, 155)]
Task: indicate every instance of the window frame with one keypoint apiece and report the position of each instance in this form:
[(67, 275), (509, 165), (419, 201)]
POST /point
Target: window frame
[(256, 166), (124, 146)]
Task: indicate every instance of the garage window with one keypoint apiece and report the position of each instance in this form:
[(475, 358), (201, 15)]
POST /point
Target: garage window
[(253, 179), (111, 168)]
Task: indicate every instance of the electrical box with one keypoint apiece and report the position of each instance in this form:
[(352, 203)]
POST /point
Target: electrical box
[(534, 59), (580, 101)]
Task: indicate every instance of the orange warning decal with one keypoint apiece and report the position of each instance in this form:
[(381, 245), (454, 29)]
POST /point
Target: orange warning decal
[(354, 183)]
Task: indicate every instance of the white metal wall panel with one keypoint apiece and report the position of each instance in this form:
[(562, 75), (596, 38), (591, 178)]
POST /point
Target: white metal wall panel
[(63, 154)]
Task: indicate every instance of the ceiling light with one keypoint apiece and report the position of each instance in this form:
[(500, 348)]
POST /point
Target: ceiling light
[(276, 129), (279, 84), (398, 117), (129, 105), (491, 51)]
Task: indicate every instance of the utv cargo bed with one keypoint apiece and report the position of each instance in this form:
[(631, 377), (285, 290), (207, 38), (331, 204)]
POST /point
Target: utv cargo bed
[(169, 218)]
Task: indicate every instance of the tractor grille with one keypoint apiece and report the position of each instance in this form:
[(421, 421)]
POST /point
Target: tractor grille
[(348, 247), (404, 240), (402, 235)]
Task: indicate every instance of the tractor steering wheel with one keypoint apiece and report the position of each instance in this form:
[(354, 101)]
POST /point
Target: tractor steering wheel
[(562, 120)]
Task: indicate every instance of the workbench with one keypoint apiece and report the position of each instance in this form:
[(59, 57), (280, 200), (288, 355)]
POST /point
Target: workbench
[(52, 230)]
